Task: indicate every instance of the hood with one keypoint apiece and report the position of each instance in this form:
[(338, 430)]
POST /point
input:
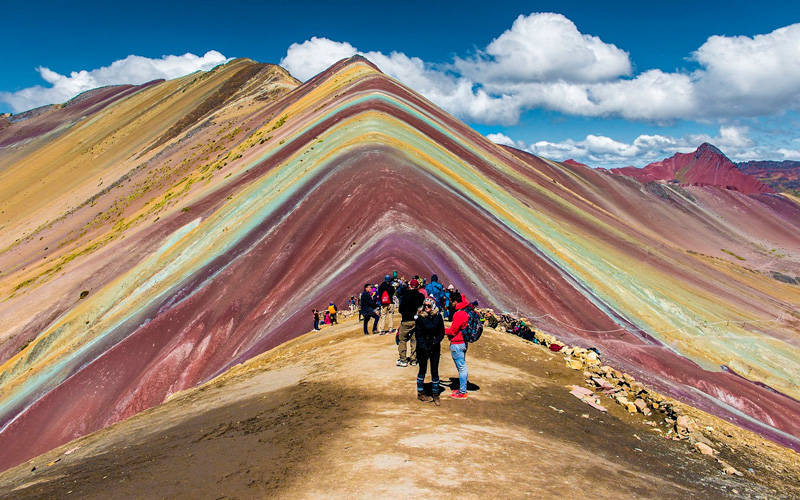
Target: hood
[(463, 304)]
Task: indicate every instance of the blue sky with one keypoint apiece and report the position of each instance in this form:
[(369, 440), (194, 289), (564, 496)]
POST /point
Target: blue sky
[(508, 76)]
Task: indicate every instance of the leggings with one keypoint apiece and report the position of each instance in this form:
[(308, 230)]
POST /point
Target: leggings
[(424, 354)]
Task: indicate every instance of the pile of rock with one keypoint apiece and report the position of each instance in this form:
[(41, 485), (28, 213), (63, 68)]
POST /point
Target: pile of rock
[(620, 387)]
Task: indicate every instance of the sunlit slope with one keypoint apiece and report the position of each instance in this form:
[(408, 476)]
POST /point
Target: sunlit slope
[(221, 230)]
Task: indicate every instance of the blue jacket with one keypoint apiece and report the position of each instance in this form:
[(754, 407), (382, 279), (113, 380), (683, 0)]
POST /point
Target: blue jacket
[(436, 290)]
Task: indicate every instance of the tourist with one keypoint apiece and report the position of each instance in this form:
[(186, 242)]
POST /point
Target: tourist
[(368, 306), (316, 319), (458, 348), (332, 310), (435, 290), (429, 332), (386, 296), (410, 302)]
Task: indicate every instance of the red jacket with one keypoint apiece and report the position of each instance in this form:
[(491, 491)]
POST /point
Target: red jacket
[(460, 320)]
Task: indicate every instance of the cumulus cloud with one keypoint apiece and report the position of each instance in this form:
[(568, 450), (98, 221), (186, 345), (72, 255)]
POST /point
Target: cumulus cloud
[(304, 60), (132, 70), (545, 47), (602, 151), (544, 61)]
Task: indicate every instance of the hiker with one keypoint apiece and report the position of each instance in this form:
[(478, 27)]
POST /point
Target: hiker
[(429, 332), (368, 307), (435, 290), (316, 319), (455, 298), (332, 309), (386, 295), (327, 319), (352, 304), (458, 348), (410, 302)]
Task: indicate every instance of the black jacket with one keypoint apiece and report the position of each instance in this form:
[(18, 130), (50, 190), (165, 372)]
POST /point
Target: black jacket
[(367, 304), (410, 301), (429, 330), (385, 287)]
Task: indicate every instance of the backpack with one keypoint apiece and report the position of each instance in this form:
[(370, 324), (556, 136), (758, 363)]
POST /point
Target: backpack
[(474, 329), (385, 299)]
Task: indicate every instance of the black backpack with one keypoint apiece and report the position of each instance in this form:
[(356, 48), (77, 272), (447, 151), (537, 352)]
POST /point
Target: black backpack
[(474, 329)]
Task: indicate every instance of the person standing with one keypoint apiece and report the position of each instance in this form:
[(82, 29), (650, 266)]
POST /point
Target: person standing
[(410, 302), (435, 290), (458, 347), (316, 319), (429, 331), (332, 310), (386, 296), (367, 310)]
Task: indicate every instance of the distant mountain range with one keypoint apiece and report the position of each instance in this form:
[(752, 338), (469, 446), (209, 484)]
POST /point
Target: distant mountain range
[(708, 166), (782, 176)]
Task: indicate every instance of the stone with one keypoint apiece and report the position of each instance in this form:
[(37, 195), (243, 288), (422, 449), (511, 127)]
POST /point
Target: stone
[(729, 469), (575, 364), (705, 449), (642, 406)]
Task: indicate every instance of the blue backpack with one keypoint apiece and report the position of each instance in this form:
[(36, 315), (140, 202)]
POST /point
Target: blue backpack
[(474, 329)]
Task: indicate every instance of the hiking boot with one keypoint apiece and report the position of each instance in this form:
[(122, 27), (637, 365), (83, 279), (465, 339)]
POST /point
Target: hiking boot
[(424, 397), (458, 395), (436, 400), (400, 362)]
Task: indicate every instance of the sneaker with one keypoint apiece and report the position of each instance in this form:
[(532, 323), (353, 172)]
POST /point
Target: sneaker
[(436, 400), (458, 395), (413, 362), (400, 362), (424, 397)]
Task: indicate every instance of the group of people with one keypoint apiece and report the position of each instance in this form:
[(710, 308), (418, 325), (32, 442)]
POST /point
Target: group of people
[(423, 309), (329, 318)]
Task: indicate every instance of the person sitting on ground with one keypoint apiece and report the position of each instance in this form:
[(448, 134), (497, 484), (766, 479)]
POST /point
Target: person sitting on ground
[(429, 331), (410, 302), (368, 307), (458, 348), (386, 296), (316, 319), (332, 309), (327, 319)]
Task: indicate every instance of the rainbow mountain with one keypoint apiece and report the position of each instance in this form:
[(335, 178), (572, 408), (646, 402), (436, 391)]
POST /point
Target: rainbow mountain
[(153, 236)]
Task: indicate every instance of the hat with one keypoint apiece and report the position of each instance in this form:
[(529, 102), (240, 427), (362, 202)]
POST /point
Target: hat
[(413, 284), (451, 287), (387, 278)]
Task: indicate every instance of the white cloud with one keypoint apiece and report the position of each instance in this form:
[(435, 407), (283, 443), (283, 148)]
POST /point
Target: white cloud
[(544, 61), (304, 60), (502, 139), (602, 151), (132, 70), (789, 154), (545, 47)]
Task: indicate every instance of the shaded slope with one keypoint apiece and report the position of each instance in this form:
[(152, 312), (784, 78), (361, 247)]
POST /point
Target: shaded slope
[(212, 247), (706, 166), (306, 409)]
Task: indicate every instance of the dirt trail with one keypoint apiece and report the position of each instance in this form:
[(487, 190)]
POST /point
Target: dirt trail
[(328, 414)]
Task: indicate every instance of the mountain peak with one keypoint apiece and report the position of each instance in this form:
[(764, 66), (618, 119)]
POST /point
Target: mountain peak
[(707, 147), (706, 166)]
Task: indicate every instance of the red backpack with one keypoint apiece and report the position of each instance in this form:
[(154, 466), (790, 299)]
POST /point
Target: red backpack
[(385, 299)]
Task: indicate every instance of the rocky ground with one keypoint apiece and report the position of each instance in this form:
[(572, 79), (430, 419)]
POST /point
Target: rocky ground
[(329, 414)]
